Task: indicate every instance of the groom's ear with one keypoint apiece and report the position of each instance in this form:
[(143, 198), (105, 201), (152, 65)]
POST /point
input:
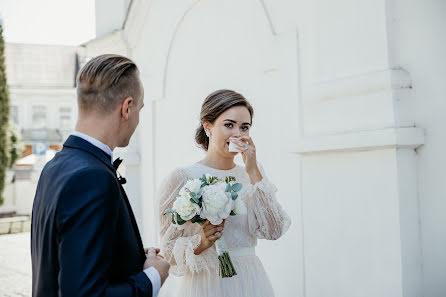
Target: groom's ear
[(126, 106)]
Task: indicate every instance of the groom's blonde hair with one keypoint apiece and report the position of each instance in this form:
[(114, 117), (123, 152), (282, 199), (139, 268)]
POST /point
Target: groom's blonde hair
[(105, 81)]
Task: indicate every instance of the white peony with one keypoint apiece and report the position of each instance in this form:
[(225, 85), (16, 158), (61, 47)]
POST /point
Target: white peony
[(185, 208), (217, 205), (240, 207), (192, 185)]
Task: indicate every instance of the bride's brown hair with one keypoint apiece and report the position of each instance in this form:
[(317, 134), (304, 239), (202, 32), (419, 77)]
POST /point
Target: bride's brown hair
[(213, 106)]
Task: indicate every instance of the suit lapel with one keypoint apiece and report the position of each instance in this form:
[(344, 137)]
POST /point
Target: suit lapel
[(132, 218)]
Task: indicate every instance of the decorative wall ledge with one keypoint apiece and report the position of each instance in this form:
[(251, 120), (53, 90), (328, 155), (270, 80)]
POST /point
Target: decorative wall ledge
[(411, 138), (360, 84)]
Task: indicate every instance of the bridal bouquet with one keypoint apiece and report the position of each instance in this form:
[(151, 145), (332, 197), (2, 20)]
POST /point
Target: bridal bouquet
[(207, 198)]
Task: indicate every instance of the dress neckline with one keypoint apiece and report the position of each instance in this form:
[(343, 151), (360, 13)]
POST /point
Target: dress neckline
[(215, 169)]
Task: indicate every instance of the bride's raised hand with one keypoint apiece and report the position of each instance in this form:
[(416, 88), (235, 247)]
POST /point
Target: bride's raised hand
[(246, 146), (209, 234)]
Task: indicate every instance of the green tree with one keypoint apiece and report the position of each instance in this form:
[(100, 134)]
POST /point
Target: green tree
[(15, 144), (4, 118)]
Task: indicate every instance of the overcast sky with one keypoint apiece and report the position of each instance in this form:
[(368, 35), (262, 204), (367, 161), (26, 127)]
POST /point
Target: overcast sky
[(65, 22)]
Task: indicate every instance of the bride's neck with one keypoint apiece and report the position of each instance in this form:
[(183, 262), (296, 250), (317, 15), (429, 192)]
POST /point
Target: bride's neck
[(214, 161)]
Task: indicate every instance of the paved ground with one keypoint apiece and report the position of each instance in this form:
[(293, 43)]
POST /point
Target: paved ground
[(15, 265)]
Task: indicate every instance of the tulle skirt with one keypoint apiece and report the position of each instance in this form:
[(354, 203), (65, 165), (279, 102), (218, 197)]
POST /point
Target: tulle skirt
[(251, 281)]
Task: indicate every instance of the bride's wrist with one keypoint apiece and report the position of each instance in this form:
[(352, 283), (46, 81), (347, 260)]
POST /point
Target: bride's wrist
[(255, 176), (200, 248)]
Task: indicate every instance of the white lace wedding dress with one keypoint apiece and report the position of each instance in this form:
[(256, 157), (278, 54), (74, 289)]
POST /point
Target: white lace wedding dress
[(199, 276)]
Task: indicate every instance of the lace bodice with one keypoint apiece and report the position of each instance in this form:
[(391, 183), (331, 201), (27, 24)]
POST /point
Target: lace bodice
[(265, 219)]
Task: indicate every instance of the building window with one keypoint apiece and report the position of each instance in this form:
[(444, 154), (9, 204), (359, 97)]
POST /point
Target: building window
[(14, 114), (65, 118), (39, 117)]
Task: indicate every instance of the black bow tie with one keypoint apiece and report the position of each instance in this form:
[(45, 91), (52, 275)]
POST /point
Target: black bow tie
[(116, 164)]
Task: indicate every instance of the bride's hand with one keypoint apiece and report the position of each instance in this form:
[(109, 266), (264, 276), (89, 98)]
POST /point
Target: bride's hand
[(248, 150), (209, 234)]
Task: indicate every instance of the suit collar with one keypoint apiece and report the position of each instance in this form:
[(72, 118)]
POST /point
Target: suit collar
[(96, 142), (76, 142)]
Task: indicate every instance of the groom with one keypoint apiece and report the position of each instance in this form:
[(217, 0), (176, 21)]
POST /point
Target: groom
[(84, 237)]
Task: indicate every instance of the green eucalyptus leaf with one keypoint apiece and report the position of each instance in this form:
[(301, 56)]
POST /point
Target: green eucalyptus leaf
[(168, 211), (197, 219), (194, 198), (234, 195), (180, 220), (236, 187)]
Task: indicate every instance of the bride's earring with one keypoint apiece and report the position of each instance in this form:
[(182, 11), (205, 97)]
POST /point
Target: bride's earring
[(208, 134)]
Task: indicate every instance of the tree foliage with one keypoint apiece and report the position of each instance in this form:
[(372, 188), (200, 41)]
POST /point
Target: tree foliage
[(4, 118)]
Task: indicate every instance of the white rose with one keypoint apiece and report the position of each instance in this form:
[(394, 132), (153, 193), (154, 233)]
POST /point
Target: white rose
[(216, 204), (192, 185), (185, 208), (240, 207)]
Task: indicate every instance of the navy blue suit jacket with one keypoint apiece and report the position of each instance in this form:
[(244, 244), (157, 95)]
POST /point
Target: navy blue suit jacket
[(84, 237)]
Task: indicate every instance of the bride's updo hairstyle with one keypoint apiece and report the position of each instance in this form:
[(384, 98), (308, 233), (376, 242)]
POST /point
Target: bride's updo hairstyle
[(213, 106)]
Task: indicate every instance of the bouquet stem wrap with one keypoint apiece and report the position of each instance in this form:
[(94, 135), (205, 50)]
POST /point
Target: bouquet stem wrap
[(227, 269)]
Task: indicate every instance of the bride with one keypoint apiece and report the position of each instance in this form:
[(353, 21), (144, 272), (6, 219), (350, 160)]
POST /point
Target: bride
[(226, 116)]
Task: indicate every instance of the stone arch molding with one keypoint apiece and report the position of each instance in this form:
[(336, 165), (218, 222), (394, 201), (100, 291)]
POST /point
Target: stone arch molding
[(156, 23)]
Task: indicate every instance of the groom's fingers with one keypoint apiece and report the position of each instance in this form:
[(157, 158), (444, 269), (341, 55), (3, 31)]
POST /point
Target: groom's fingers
[(146, 250), (151, 252)]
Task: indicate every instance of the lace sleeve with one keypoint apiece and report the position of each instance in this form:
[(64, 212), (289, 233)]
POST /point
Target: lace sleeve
[(266, 217), (178, 242)]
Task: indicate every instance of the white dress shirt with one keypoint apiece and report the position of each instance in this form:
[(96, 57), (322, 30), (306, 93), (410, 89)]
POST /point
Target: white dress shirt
[(151, 272)]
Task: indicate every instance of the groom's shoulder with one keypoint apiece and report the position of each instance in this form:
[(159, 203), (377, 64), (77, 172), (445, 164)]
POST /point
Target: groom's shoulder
[(68, 165)]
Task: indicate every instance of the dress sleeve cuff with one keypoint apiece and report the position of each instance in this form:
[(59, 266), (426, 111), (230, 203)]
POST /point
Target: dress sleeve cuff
[(264, 185)]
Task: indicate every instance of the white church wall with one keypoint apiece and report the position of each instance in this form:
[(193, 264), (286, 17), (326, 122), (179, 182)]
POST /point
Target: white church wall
[(420, 48), (349, 108), (110, 15), (352, 244)]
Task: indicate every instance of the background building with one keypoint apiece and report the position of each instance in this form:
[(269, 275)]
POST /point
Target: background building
[(41, 81)]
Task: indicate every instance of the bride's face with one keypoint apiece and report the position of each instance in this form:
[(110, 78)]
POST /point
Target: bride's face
[(234, 122)]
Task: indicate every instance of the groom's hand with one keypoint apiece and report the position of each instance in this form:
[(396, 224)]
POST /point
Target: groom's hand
[(158, 262), (146, 251)]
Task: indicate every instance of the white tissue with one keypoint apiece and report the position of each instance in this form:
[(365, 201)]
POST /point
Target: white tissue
[(233, 148)]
